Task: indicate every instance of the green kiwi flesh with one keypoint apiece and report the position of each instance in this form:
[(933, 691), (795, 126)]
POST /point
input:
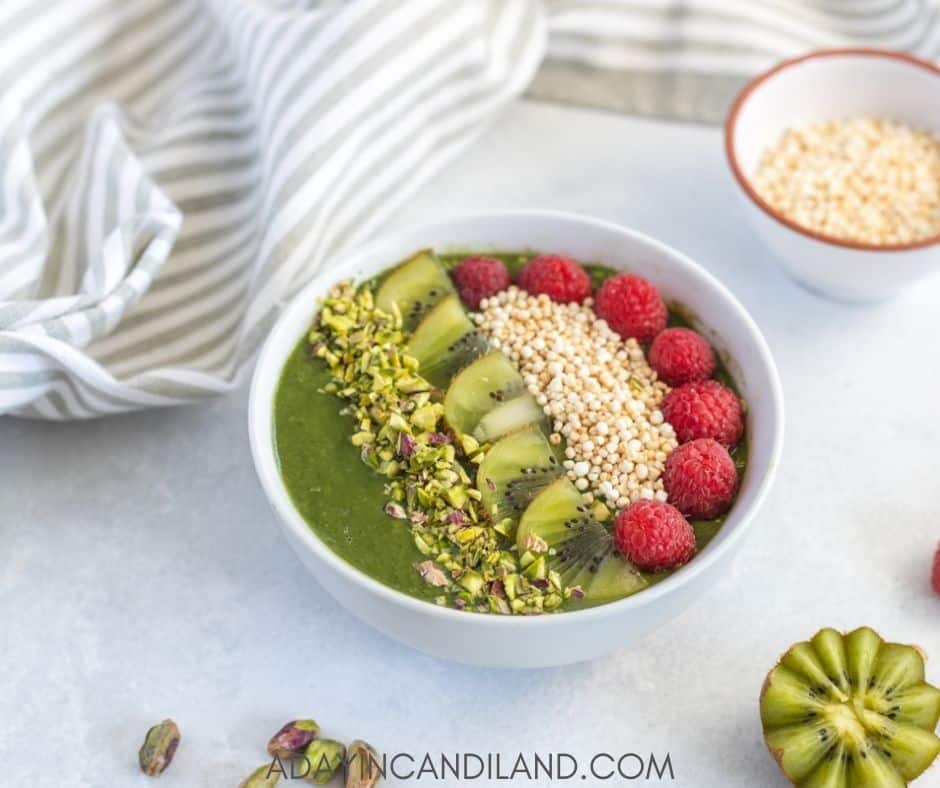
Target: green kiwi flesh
[(479, 388), (558, 526), (445, 341), (414, 287), (514, 471), (508, 417), (851, 711)]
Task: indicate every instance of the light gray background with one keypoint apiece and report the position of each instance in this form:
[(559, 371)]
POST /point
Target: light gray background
[(143, 576)]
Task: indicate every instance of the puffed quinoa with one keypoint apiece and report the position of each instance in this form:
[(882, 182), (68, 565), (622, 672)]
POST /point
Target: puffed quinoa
[(598, 389), (869, 180)]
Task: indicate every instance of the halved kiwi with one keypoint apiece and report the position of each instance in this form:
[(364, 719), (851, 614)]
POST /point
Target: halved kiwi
[(414, 286), (851, 710), (514, 471), (579, 548), (446, 340), (479, 388)]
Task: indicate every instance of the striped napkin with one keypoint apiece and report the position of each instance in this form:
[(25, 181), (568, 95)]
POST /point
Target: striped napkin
[(687, 59), (171, 171)]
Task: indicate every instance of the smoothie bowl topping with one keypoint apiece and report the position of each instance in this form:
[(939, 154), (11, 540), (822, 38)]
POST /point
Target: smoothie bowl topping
[(527, 456)]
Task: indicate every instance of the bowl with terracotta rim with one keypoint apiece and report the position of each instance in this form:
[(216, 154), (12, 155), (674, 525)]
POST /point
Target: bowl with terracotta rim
[(828, 85)]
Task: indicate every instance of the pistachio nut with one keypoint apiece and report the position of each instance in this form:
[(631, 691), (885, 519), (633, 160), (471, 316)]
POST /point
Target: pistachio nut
[(324, 757), (363, 765), (159, 747), (292, 739)]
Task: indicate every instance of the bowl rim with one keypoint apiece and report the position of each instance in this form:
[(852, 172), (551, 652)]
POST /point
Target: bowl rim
[(744, 182), (261, 433)]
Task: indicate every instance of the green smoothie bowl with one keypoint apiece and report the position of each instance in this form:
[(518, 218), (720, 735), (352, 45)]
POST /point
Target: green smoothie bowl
[(515, 440)]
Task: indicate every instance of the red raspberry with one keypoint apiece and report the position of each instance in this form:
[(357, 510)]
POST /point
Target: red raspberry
[(654, 536), (632, 307), (936, 571), (705, 409), (478, 278), (701, 479), (560, 278), (679, 355)]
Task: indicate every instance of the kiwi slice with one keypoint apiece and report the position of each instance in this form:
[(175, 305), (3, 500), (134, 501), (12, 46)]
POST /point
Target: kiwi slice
[(508, 417), (514, 471), (479, 388), (850, 710), (580, 549), (414, 286), (445, 340)]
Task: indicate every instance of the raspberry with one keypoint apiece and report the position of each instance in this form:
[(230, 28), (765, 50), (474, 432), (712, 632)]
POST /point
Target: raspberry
[(680, 355), (478, 278), (705, 409), (700, 479), (654, 536), (936, 571), (560, 278), (632, 307)]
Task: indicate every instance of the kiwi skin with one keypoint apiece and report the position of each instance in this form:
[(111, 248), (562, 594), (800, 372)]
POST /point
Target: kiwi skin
[(867, 699)]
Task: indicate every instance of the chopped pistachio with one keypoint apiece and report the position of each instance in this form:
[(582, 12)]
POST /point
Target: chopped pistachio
[(469, 444), (467, 535), (457, 496), (396, 510), (472, 581), (432, 574), (505, 527), (399, 430), (499, 605), (535, 543), (536, 570)]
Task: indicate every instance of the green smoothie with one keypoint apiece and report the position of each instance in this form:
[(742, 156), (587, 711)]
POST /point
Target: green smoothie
[(342, 498)]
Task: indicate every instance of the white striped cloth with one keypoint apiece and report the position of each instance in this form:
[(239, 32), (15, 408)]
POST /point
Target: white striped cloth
[(688, 58), (171, 171)]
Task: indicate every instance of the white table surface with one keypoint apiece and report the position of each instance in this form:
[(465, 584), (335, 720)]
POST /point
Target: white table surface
[(142, 574)]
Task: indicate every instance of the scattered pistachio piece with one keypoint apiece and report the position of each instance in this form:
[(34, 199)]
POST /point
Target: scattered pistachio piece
[(535, 543), (363, 766), (472, 581), (262, 777), (324, 756), (396, 510), (432, 574), (159, 747), (292, 739)]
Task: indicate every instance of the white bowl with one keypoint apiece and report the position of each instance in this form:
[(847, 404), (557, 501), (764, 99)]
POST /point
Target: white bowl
[(552, 639), (823, 86)]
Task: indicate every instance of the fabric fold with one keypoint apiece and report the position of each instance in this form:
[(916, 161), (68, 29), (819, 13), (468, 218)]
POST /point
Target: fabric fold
[(199, 160)]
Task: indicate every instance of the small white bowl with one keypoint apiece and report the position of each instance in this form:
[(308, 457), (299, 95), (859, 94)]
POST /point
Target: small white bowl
[(552, 639), (821, 86)]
